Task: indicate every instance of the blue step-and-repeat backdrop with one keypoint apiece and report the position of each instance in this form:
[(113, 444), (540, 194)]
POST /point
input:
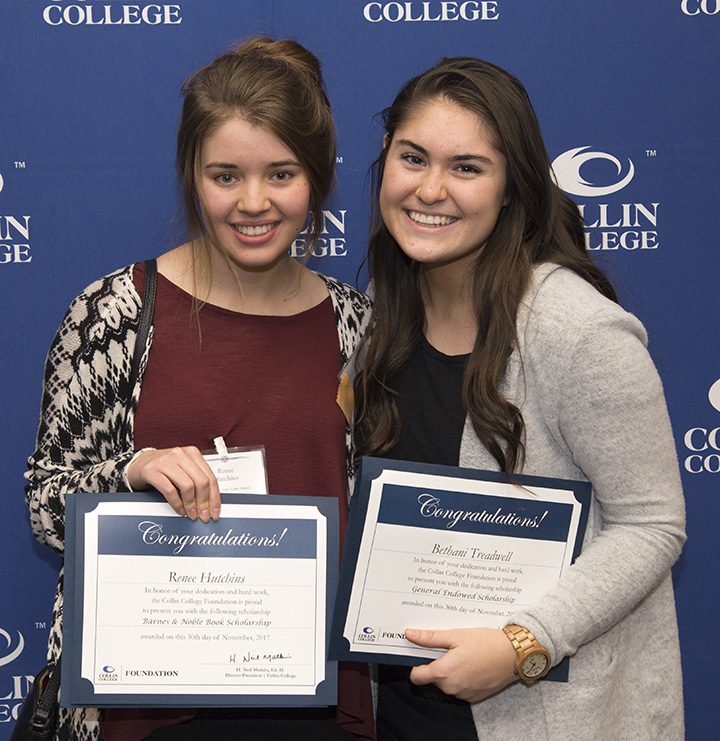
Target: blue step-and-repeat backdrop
[(628, 97)]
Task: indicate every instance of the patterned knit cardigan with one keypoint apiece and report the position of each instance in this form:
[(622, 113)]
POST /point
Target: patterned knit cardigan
[(85, 436)]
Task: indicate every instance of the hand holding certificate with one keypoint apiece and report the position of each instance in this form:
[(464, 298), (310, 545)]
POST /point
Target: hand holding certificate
[(434, 547)]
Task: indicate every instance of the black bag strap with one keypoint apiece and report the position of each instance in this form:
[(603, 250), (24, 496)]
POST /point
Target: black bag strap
[(43, 719), (146, 318)]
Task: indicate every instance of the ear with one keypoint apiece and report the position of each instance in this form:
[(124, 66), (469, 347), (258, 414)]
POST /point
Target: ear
[(386, 141)]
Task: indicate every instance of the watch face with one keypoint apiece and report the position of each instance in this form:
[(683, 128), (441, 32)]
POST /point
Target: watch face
[(534, 665)]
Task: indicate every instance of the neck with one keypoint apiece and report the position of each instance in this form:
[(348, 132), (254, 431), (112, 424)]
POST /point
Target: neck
[(265, 291), (450, 323), (282, 289)]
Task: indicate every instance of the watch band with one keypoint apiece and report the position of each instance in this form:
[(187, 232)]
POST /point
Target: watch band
[(521, 638), (526, 645)]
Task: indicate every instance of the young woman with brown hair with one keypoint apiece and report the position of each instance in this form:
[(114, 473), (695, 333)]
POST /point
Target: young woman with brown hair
[(246, 343), (498, 344)]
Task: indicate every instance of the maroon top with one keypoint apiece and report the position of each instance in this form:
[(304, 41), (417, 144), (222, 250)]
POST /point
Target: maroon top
[(255, 380)]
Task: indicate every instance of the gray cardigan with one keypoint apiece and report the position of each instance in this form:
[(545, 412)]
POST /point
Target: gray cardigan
[(594, 409)]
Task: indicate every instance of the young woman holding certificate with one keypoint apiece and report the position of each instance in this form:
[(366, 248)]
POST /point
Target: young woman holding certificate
[(246, 344), (498, 344)]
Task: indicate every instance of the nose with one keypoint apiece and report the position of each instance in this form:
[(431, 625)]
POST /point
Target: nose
[(431, 187), (253, 198)]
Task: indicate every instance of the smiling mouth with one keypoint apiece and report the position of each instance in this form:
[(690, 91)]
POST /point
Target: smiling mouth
[(254, 231), (430, 220)]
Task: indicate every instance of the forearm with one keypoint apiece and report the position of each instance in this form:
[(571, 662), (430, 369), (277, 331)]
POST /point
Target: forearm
[(49, 483)]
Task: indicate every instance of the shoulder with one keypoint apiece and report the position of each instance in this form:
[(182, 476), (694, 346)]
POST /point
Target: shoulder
[(345, 292), (116, 288), (560, 307), (558, 291), (104, 312), (353, 310), (349, 303), (570, 336)]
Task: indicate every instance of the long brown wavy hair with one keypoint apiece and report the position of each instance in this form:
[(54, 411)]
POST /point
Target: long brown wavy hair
[(538, 224)]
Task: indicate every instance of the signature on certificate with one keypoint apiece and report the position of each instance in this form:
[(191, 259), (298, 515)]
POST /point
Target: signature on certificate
[(251, 658)]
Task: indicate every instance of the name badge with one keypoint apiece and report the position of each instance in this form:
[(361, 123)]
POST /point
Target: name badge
[(239, 470)]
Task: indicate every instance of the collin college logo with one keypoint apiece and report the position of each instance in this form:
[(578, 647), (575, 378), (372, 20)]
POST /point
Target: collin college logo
[(611, 225), (13, 687), (332, 240), (12, 648), (367, 635), (14, 237), (702, 443), (567, 170), (452, 10), (700, 7), (99, 13), (108, 674)]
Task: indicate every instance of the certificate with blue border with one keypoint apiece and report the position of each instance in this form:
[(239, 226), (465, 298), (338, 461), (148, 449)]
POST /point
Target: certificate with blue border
[(165, 612), (439, 547)]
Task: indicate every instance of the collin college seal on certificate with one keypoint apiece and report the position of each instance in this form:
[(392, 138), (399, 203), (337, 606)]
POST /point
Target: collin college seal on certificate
[(437, 547), (163, 611)]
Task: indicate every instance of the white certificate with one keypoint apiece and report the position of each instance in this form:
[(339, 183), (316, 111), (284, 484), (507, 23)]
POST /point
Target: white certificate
[(437, 547), (163, 611)]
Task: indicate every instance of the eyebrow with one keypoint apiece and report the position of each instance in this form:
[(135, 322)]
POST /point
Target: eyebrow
[(232, 166), (456, 158)]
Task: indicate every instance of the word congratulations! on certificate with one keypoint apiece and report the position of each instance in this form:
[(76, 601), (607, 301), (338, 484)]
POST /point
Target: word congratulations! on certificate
[(153, 534), (430, 507)]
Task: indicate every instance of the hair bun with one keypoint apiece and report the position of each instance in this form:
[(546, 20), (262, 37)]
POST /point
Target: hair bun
[(284, 51)]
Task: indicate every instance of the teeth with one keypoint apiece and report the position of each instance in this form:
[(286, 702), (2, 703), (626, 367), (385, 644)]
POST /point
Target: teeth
[(254, 231), (429, 220)]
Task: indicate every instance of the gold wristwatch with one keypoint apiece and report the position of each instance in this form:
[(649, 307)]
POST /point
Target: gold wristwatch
[(533, 661)]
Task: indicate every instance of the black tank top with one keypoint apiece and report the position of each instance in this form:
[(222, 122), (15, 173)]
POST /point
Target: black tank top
[(432, 418)]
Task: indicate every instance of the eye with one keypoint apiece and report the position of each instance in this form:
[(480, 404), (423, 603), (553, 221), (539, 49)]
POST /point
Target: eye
[(225, 178), (468, 169), (412, 159), (282, 176)]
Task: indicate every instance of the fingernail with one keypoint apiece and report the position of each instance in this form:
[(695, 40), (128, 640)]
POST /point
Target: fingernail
[(205, 515), (216, 514), (192, 514)]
